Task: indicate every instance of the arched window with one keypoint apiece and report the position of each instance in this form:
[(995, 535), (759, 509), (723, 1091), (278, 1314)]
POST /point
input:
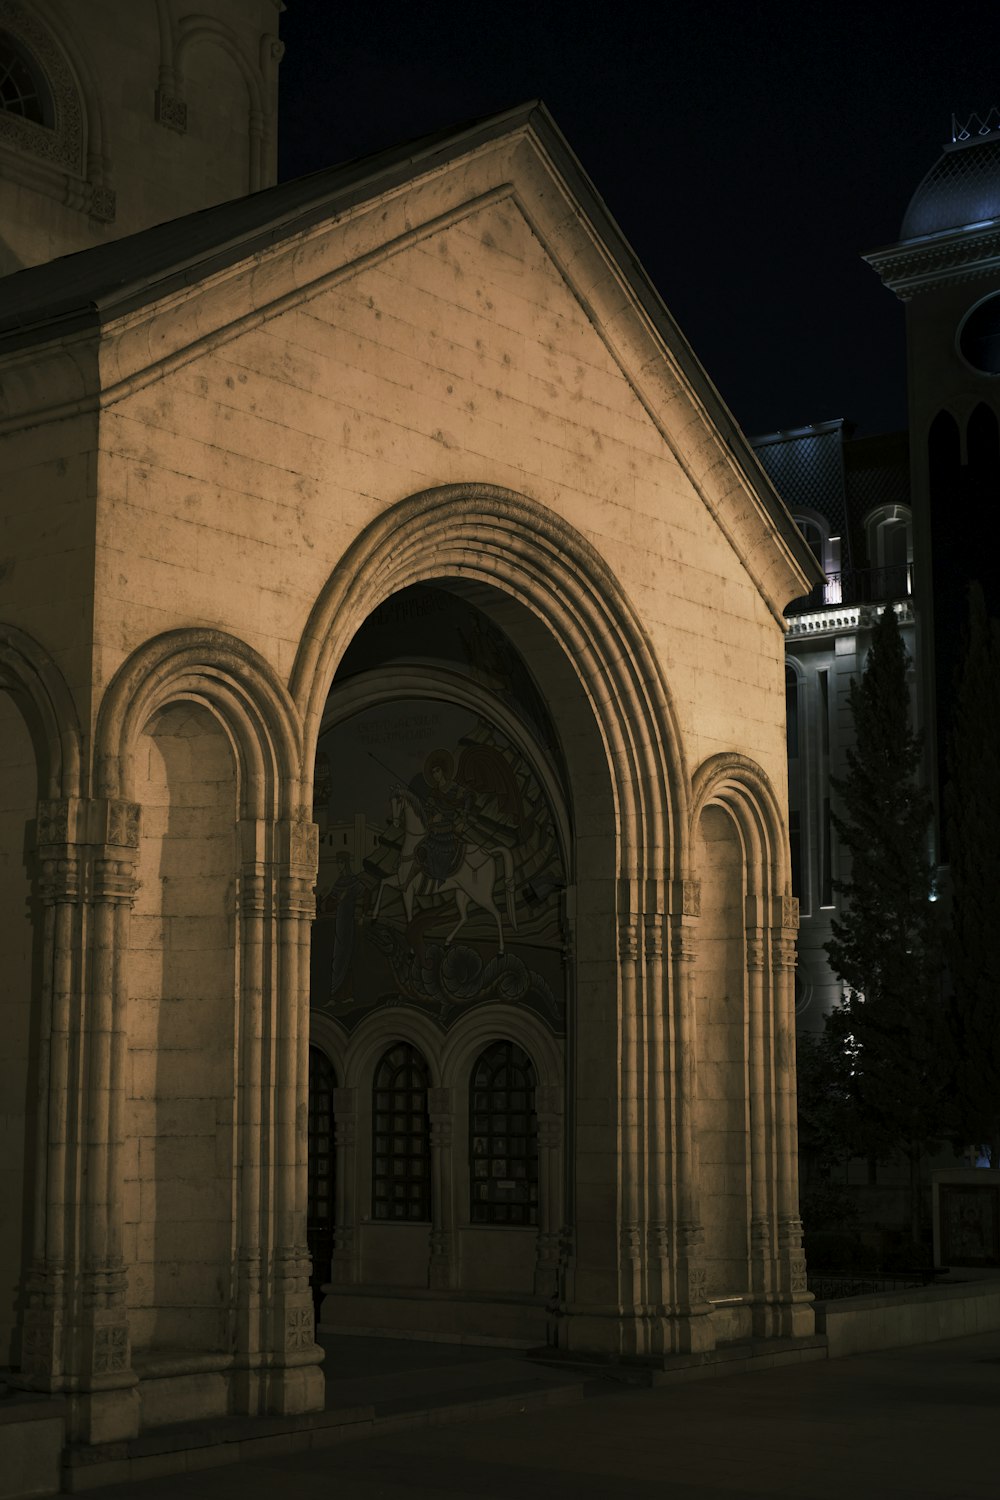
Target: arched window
[(401, 1157), (826, 550), (322, 1168), (503, 1137), (890, 551), (23, 89)]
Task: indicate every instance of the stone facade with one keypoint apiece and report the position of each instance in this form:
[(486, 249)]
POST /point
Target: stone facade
[(445, 385)]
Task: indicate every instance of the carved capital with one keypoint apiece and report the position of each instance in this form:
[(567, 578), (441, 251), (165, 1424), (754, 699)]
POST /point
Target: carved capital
[(114, 881), (653, 934), (440, 1103), (548, 1099), (171, 111), (345, 1102), (755, 953), (298, 1329), (790, 913), (628, 939), (685, 898)]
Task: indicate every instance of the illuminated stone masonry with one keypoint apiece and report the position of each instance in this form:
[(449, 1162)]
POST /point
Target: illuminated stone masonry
[(394, 669)]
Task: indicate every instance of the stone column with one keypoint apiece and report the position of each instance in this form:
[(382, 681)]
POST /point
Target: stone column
[(75, 1330), (659, 1143), (796, 1314), (760, 1074), (254, 901), (345, 1136), (295, 1382), (693, 1328), (630, 1237), (549, 1248), (442, 1267)]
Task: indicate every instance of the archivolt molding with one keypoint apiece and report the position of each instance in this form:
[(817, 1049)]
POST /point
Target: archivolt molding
[(501, 1023), (382, 1030), (497, 537), (38, 687), (738, 784), (237, 684)]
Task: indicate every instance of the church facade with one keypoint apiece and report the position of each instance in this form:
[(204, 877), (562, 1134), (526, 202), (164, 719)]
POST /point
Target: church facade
[(396, 909)]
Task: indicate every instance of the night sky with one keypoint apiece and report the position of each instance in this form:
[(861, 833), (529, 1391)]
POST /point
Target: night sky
[(749, 151)]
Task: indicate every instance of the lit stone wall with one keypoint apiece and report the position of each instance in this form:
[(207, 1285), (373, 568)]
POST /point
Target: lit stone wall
[(239, 480), (180, 1107)]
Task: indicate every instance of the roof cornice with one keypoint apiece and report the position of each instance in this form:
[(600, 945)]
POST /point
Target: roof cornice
[(936, 260)]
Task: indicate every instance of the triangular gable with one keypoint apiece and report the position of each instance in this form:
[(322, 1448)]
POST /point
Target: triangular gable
[(154, 300)]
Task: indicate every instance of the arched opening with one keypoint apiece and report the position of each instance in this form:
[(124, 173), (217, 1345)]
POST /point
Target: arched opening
[(180, 1189), (722, 1033), (444, 888), (627, 1126)]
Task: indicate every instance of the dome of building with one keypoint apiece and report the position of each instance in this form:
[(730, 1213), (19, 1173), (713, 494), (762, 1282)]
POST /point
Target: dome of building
[(962, 187)]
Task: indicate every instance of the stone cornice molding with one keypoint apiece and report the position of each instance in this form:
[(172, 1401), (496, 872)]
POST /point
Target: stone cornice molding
[(145, 328), (939, 260)]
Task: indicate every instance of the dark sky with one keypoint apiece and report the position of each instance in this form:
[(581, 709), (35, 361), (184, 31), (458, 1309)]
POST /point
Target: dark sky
[(749, 151)]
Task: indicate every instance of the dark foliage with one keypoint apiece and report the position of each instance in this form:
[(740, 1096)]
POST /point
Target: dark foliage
[(887, 1032)]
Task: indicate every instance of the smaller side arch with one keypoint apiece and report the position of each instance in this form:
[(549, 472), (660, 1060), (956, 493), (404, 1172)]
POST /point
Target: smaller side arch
[(30, 675), (236, 683), (501, 1022), (744, 788), (378, 1032)]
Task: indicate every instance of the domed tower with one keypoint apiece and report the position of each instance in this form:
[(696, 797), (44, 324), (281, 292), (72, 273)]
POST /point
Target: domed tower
[(117, 117), (946, 268)]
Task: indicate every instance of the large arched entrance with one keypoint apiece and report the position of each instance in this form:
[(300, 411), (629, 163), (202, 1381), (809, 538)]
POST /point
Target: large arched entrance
[(523, 586)]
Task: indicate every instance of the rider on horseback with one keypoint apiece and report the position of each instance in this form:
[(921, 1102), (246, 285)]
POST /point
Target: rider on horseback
[(444, 806)]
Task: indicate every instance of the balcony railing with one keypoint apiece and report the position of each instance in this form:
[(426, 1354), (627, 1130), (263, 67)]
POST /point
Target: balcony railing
[(857, 586)]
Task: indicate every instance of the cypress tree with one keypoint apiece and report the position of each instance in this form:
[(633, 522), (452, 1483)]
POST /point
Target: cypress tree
[(972, 800), (885, 945)]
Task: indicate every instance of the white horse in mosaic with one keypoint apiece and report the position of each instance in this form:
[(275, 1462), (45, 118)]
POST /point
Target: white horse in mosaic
[(471, 883)]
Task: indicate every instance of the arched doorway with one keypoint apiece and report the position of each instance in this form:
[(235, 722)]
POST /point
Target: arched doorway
[(443, 903)]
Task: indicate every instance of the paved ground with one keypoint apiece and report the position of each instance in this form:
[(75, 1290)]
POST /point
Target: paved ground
[(906, 1424)]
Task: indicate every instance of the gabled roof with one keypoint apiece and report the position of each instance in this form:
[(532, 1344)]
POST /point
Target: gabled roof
[(103, 286)]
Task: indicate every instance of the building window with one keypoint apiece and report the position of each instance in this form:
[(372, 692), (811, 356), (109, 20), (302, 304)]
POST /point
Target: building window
[(890, 550), (503, 1137), (401, 1158), (23, 90)]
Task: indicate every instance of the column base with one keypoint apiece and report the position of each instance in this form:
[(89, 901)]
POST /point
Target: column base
[(107, 1416)]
